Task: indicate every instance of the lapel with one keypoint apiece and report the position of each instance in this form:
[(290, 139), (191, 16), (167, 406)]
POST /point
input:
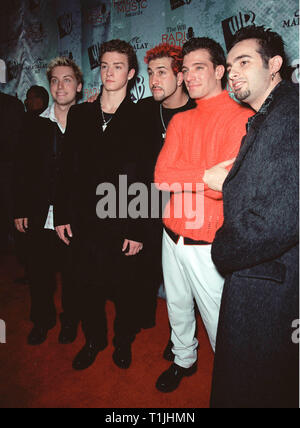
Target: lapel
[(247, 142), (253, 126)]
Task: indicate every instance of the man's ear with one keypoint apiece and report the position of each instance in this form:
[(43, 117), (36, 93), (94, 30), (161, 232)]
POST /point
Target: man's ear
[(179, 78), (220, 71), (131, 74), (79, 87), (275, 64)]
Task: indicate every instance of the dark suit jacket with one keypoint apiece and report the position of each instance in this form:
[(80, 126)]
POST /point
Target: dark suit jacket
[(35, 170), (11, 121), (92, 157), (257, 248)]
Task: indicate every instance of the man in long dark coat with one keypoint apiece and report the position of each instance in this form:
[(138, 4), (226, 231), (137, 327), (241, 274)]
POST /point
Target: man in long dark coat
[(256, 364)]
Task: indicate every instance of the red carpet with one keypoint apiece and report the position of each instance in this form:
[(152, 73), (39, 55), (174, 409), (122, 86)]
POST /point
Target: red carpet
[(43, 377)]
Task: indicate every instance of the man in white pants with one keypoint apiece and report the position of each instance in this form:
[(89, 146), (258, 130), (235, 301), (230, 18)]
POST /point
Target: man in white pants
[(200, 143)]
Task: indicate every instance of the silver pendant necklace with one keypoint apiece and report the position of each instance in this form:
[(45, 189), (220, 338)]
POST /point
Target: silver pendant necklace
[(164, 134), (105, 123)]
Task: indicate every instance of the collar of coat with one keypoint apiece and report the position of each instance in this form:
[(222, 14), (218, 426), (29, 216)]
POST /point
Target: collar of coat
[(274, 96)]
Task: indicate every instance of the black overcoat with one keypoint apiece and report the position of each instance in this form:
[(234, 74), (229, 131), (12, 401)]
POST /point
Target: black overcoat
[(35, 170), (256, 362)]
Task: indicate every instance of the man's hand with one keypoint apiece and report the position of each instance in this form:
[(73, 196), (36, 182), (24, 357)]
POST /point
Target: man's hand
[(92, 98), (134, 247), (60, 230), (21, 224), (215, 176)]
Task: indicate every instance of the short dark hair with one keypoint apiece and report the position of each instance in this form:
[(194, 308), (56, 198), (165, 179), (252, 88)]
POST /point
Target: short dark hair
[(214, 48), (271, 44), (122, 47), (125, 48)]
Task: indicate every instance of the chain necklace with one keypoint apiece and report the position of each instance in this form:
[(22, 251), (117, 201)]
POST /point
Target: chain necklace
[(105, 123), (164, 134)]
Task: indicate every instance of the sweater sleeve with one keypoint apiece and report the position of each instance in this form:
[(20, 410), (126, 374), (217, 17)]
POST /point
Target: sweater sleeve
[(231, 145), (174, 169)]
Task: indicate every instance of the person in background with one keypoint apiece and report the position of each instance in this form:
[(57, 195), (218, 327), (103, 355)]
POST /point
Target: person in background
[(198, 141), (37, 100), (38, 162), (257, 248), (169, 97)]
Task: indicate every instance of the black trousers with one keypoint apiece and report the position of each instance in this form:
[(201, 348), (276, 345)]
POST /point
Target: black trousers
[(149, 268), (47, 256), (104, 272)]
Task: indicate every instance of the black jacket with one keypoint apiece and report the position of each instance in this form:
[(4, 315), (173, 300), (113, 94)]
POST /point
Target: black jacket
[(11, 122), (257, 248), (91, 158), (36, 169)]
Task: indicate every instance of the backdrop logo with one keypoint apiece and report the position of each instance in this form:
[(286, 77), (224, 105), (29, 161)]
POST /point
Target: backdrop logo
[(37, 66), (2, 71), (137, 44), (175, 4), (138, 90), (130, 7), (177, 36), (35, 32), (14, 68), (65, 25), (292, 22), (98, 15), (235, 23), (94, 56)]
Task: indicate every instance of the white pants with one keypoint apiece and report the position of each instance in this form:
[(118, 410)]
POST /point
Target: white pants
[(189, 273)]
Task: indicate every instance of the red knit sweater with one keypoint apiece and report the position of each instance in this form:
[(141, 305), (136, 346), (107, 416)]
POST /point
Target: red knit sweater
[(198, 140)]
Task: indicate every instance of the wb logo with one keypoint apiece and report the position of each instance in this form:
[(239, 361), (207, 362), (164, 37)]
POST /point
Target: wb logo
[(235, 23), (2, 71), (2, 332), (94, 56), (65, 25), (138, 90)]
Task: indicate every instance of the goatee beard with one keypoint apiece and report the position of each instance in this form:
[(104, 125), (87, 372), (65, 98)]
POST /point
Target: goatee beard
[(241, 96)]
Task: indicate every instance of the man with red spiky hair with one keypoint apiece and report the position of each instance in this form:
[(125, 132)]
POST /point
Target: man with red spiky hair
[(169, 98)]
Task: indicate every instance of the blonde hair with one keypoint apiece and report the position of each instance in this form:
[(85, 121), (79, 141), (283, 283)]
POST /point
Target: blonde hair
[(62, 61)]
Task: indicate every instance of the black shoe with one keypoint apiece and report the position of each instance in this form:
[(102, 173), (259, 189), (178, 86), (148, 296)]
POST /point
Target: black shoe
[(86, 357), (68, 333), (170, 379), (168, 354), (122, 356), (37, 336)]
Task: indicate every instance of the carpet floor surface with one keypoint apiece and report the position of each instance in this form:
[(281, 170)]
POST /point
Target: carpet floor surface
[(42, 377)]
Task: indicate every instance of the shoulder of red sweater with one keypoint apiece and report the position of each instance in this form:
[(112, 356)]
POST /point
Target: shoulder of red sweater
[(238, 108)]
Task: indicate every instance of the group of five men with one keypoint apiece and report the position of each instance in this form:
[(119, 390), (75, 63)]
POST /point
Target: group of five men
[(231, 217)]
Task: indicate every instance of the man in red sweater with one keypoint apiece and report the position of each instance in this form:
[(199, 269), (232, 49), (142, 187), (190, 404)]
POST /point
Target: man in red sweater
[(199, 143)]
